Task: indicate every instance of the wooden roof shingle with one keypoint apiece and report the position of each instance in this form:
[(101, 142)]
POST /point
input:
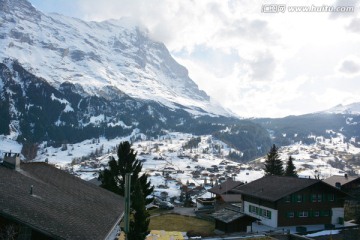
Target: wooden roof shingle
[(61, 205), (273, 188), (225, 187)]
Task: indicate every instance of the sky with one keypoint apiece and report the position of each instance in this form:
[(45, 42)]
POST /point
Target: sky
[(263, 58)]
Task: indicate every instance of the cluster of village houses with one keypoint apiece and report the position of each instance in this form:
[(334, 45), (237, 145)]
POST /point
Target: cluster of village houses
[(43, 202)]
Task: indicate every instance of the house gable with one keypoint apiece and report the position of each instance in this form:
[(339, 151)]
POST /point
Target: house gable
[(57, 204), (288, 201)]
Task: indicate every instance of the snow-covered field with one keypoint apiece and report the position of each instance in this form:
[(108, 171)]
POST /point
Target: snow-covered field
[(170, 165)]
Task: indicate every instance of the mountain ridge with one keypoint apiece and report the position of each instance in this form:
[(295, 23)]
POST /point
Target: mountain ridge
[(63, 80), (97, 55), (352, 108)]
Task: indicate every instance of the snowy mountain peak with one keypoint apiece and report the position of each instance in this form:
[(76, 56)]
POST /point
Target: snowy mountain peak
[(353, 108), (18, 8), (98, 56)]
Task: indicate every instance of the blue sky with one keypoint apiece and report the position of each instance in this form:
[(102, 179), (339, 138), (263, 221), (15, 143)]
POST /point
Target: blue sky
[(255, 63)]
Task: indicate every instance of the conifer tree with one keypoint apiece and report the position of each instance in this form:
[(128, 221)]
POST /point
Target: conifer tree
[(140, 223), (273, 164), (113, 179), (290, 168)]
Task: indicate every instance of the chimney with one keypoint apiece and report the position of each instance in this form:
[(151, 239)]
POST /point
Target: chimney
[(346, 176), (12, 160)]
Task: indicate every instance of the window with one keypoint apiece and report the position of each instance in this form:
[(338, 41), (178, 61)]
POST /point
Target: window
[(331, 197), (251, 208), (313, 197), (265, 213), (319, 197), (260, 211), (291, 214), (268, 214), (299, 198), (303, 214), (288, 198), (316, 213)]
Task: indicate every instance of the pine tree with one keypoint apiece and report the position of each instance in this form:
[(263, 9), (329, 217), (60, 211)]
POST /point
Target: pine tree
[(113, 179), (140, 223), (290, 168), (273, 164)]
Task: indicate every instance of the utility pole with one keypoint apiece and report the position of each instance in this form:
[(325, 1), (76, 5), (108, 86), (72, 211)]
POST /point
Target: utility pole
[(127, 204)]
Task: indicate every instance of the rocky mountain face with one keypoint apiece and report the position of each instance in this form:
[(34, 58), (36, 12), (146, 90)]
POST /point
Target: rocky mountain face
[(96, 56), (63, 80)]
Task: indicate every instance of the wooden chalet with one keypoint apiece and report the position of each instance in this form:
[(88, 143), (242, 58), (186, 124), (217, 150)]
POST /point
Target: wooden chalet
[(288, 201), (39, 201)]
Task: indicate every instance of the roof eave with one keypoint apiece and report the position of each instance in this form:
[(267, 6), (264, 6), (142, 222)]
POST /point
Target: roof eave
[(114, 226)]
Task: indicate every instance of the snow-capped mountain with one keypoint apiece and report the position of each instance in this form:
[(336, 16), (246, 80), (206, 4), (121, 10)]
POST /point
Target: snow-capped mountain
[(114, 54), (353, 108), (63, 80)]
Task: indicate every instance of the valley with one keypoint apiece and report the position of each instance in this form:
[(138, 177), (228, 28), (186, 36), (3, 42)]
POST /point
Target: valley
[(172, 163)]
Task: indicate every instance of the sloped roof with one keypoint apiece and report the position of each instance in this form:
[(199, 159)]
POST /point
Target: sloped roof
[(61, 206), (340, 179), (228, 215), (231, 198), (273, 188), (225, 187)]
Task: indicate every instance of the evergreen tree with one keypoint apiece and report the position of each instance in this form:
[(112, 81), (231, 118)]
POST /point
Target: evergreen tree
[(140, 222), (113, 179), (290, 168), (273, 164)]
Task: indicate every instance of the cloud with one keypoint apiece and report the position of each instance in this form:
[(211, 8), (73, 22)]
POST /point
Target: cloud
[(254, 30), (354, 25), (350, 66), (220, 62), (344, 3), (263, 67)]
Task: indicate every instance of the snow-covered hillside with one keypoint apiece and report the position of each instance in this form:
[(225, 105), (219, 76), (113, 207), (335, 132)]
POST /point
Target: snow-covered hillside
[(170, 164), (96, 55), (353, 108)]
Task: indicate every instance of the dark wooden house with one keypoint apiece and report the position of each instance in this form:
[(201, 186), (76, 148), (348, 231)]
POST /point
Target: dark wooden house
[(289, 201), (39, 201), (348, 184)]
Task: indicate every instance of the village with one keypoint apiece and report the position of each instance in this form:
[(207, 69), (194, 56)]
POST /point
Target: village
[(199, 181)]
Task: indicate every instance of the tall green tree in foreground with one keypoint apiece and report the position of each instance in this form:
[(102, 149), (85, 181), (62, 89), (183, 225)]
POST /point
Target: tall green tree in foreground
[(140, 223), (273, 164), (113, 179), (290, 169)]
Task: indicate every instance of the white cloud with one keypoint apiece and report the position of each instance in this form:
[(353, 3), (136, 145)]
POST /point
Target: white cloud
[(354, 25), (263, 66), (350, 66)]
